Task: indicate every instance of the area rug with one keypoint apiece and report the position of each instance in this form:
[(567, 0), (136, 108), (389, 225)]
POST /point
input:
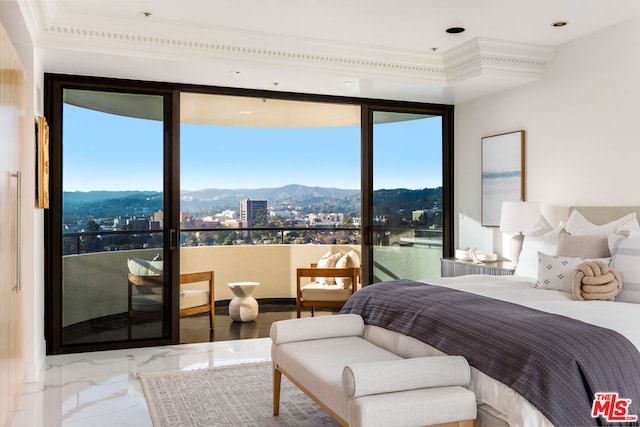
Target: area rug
[(238, 395)]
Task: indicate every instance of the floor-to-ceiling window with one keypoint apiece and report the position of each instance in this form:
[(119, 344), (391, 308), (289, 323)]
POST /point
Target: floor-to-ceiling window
[(407, 199), (295, 164), (140, 170), (110, 193)]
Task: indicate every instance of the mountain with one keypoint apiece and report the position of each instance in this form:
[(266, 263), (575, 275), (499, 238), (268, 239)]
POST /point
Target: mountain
[(79, 205), (103, 204), (217, 195), (290, 195)]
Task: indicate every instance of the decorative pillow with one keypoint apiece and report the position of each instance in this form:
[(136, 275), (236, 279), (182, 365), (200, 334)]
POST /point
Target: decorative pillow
[(556, 272), (625, 258), (578, 225), (328, 260), (541, 227), (355, 257), (143, 267), (350, 259), (582, 246), (528, 261)]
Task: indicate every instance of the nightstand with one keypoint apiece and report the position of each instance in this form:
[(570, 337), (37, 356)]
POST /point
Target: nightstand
[(452, 267)]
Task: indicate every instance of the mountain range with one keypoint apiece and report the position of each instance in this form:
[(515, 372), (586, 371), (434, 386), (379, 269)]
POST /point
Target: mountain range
[(100, 204)]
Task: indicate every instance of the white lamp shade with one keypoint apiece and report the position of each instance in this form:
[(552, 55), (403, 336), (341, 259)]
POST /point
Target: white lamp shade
[(518, 217)]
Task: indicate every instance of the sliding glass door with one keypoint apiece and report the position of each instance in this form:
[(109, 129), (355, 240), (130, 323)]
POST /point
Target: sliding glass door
[(114, 260), (407, 218), (135, 163)]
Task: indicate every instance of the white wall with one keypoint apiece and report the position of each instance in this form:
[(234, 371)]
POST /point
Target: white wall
[(581, 121)]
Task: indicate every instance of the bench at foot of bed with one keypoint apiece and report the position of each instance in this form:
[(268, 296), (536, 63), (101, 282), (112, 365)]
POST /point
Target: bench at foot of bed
[(363, 385)]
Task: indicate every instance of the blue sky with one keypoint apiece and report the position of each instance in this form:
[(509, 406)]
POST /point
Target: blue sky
[(109, 152)]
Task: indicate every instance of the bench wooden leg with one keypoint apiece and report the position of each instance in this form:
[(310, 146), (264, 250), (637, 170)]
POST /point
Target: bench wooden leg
[(277, 378)]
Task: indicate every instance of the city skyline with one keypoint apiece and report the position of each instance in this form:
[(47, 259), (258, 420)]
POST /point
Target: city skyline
[(115, 153)]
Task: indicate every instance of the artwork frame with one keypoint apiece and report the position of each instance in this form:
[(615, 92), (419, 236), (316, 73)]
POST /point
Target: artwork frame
[(503, 173), (42, 162)]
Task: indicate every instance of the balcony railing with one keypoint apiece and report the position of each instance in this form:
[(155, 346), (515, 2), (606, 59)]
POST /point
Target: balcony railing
[(103, 241)]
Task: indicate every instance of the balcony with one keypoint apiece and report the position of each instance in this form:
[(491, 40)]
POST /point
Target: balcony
[(95, 284)]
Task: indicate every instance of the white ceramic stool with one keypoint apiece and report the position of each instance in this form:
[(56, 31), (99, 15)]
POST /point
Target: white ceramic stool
[(244, 307)]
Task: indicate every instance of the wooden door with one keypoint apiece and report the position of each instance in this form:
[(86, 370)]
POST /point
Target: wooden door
[(12, 124)]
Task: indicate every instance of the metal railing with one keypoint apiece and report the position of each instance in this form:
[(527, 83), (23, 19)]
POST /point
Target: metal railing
[(103, 241)]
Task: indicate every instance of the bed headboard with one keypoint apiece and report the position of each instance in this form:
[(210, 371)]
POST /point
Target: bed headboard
[(602, 214)]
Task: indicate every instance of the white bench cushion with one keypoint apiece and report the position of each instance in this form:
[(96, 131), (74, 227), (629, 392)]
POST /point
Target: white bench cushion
[(318, 364), (420, 407)]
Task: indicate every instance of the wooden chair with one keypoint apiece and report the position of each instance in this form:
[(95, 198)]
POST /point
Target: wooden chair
[(197, 301), (145, 295), (320, 295)]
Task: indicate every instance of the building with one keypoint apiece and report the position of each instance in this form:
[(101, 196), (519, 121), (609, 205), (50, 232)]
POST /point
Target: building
[(252, 212), (579, 111)]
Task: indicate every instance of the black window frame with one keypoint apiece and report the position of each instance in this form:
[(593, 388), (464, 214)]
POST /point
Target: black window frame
[(54, 85)]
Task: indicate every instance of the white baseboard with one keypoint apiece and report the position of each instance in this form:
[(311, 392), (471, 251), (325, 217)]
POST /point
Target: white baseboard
[(33, 368)]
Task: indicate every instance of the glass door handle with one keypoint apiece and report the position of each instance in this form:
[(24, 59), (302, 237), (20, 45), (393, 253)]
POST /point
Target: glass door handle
[(173, 234)]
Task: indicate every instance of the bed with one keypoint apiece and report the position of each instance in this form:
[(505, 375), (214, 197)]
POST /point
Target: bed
[(606, 331)]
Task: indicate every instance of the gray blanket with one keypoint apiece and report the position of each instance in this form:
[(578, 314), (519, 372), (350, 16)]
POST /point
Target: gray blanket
[(555, 362)]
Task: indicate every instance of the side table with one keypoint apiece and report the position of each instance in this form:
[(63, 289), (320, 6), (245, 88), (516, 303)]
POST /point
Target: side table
[(451, 267), (244, 307)]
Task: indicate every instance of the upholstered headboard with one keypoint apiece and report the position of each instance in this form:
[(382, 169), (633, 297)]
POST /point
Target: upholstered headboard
[(602, 214)]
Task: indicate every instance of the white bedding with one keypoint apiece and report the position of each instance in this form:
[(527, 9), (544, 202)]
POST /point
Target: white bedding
[(505, 403), (619, 316)]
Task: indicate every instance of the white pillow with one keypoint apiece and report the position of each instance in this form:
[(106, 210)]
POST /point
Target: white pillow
[(625, 258), (528, 261), (350, 259), (578, 225), (541, 227), (328, 260), (556, 272), (143, 267)]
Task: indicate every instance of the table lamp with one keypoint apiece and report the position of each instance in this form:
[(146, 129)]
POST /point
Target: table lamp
[(518, 217)]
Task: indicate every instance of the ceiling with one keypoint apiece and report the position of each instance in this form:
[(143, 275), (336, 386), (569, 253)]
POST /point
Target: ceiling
[(360, 48)]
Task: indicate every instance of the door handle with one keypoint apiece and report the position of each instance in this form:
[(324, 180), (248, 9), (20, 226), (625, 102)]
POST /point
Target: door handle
[(17, 287), (173, 234)]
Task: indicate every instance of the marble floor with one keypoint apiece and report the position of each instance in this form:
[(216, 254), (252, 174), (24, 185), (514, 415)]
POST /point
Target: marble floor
[(101, 388)]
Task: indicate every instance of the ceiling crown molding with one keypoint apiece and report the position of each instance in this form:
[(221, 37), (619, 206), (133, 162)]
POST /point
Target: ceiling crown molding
[(467, 60), (496, 56), (498, 60)]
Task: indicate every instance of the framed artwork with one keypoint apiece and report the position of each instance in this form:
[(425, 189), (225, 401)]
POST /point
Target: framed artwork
[(42, 154), (502, 174)]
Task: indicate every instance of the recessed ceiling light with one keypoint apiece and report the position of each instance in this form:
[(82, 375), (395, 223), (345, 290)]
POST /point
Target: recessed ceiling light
[(559, 23), (245, 113), (455, 30), (349, 82)]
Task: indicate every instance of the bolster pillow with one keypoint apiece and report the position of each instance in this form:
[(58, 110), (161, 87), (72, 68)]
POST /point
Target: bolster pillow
[(316, 328), (363, 379)]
